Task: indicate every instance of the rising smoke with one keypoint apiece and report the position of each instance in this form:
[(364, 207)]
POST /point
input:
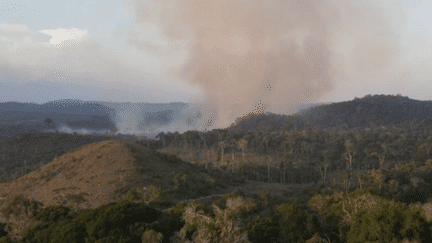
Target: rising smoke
[(276, 53)]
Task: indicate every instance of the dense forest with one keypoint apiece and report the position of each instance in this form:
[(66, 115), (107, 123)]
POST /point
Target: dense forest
[(374, 150)]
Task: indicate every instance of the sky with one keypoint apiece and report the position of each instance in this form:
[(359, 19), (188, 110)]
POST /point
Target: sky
[(229, 58)]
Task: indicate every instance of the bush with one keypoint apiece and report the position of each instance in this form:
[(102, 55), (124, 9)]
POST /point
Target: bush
[(170, 222), (265, 197), (53, 214), (108, 223), (148, 194), (387, 221), (262, 229), (3, 231), (416, 226), (20, 205), (5, 239), (292, 223), (317, 239), (152, 236)]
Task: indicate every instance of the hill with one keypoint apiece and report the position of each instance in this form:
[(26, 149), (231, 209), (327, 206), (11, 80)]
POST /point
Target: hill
[(100, 173), (372, 111), (103, 172), (60, 107), (369, 111)]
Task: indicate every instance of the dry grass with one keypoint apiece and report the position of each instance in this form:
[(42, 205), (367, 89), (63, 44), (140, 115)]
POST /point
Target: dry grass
[(97, 174), (104, 172)]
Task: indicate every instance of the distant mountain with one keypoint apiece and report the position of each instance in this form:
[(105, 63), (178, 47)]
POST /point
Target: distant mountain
[(369, 111), (17, 118), (66, 106), (377, 110)]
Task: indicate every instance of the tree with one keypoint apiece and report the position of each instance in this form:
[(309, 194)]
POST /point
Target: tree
[(350, 152), (378, 177), (222, 145), (266, 140), (233, 145), (422, 152), (160, 136), (292, 222), (381, 157), (268, 166), (325, 164), (362, 178), (242, 143)]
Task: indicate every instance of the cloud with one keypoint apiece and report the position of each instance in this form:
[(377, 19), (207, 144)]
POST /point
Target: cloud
[(104, 69), (4, 27), (60, 35)]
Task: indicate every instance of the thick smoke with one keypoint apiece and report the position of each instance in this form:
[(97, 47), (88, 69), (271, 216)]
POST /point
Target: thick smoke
[(276, 53)]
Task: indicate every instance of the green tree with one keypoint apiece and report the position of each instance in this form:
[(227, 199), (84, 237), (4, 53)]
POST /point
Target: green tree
[(152, 236), (292, 223), (265, 197), (387, 221)]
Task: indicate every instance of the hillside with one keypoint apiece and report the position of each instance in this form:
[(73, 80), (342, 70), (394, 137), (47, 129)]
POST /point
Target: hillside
[(60, 107), (100, 173), (372, 111), (369, 111), (103, 172)]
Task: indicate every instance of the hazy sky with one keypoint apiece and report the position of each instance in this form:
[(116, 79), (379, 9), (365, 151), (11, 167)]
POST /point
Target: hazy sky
[(226, 53)]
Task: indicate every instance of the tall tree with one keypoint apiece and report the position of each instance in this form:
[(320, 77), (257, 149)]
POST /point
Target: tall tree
[(265, 139), (350, 152), (381, 157), (242, 143), (222, 145)]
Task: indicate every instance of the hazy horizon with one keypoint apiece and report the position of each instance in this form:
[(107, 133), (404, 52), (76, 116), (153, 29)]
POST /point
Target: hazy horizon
[(226, 58)]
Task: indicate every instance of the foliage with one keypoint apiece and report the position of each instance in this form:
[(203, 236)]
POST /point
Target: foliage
[(21, 205), (265, 197), (148, 194), (114, 222), (152, 236), (5, 239), (3, 231), (292, 222), (262, 229), (387, 221)]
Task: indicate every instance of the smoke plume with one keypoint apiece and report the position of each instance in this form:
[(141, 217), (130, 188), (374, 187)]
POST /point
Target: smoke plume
[(277, 54)]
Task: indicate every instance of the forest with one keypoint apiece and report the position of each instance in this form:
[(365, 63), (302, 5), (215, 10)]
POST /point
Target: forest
[(363, 168)]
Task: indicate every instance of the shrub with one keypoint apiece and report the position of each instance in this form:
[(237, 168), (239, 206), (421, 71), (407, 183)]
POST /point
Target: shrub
[(108, 223), (3, 231), (262, 229), (21, 204), (387, 221), (265, 197), (152, 236), (5, 239), (53, 214), (317, 239), (148, 194), (292, 223), (178, 179), (170, 221), (415, 225), (374, 224)]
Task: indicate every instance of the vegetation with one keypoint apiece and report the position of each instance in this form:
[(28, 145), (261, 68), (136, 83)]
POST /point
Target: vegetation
[(362, 176)]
